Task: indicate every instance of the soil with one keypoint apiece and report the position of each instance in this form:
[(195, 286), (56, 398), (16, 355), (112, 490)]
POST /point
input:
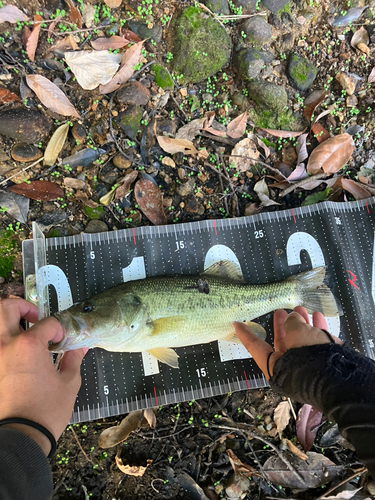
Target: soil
[(190, 438)]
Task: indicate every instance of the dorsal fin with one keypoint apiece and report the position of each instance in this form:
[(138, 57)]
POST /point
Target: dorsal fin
[(225, 269)]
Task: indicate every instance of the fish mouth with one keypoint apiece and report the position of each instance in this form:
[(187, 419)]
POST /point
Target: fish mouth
[(77, 333)]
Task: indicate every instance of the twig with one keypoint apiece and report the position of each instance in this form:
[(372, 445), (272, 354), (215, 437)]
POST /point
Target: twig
[(292, 409), (152, 484), (79, 444), (215, 170), (179, 109), (242, 16), (168, 435), (230, 184), (260, 163), (142, 69), (212, 14), (326, 493), (224, 140), (22, 170), (302, 183), (112, 132)]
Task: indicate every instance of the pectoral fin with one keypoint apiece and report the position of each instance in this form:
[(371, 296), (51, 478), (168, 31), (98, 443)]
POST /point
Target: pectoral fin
[(254, 327), (167, 324), (165, 355)]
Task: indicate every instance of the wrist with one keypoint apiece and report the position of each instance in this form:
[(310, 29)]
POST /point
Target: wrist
[(35, 435)]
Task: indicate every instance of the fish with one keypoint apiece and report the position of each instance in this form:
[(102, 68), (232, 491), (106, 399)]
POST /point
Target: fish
[(161, 313)]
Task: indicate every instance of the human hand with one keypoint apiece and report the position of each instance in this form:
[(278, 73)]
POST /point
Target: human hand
[(290, 331), (30, 385)]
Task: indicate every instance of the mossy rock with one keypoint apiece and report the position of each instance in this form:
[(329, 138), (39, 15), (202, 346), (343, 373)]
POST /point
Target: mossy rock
[(201, 46), (130, 121), (8, 250), (94, 213), (301, 72), (268, 95), (266, 118), (218, 6), (162, 77), (250, 61)]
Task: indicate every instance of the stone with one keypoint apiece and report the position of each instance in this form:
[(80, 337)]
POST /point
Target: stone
[(268, 94), (51, 219), (93, 213), (248, 6), (25, 125), (274, 5), (79, 133), (141, 29), (193, 206), (130, 120), (250, 61), (24, 153), (237, 487), (108, 174), (347, 81), (301, 72), (111, 30), (202, 47), (121, 162), (101, 190), (218, 6), (96, 226), (18, 176), (187, 188), (133, 93), (257, 30), (162, 78)]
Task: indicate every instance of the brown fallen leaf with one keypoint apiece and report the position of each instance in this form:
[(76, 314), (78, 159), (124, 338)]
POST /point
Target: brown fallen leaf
[(371, 76), (130, 59), (55, 144), (331, 155), (214, 131), (241, 469), (81, 196), (263, 193), (131, 470), (259, 144), (359, 192), (344, 495), (245, 148), (129, 35), (307, 425), (360, 37), (113, 4), (192, 129), (38, 190), (363, 48), (296, 451), (149, 415), (51, 96), (124, 188), (173, 146), (114, 42), (313, 101), (150, 200), (281, 416), (298, 173), (237, 127), (12, 14), (74, 14), (281, 133), (32, 41), (115, 435), (73, 183), (67, 43), (7, 96), (320, 132)]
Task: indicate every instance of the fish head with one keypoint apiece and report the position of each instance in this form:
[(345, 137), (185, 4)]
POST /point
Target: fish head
[(107, 320)]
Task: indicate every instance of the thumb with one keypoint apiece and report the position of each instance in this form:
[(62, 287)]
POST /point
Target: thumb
[(70, 365)]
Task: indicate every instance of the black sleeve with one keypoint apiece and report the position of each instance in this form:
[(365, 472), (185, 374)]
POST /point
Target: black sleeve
[(25, 472), (340, 383)]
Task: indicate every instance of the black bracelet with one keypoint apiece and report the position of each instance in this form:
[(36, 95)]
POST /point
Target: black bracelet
[(37, 426), (331, 339), (268, 364)]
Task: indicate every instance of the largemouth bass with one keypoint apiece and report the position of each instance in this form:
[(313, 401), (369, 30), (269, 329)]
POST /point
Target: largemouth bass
[(159, 313)]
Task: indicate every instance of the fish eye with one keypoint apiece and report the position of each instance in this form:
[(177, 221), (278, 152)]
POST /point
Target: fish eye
[(132, 326), (87, 307)]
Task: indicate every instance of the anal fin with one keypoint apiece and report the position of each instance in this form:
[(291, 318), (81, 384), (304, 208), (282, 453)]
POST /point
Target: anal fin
[(165, 355)]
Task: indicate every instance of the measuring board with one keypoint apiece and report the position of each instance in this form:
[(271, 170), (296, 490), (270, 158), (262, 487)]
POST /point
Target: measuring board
[(268, 247)]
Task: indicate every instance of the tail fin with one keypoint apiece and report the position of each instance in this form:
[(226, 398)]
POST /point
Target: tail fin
[(315, 295)]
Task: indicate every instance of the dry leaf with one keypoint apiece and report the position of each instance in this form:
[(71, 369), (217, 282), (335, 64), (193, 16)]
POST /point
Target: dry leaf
[(113, 4), (281, 133), (129, 61), (129, 35), (301, 148), (307, 425), (7, 96), (12, 14), (192, 129), (124, 188), (259, 144), (261, 190), (32, 40), (331, 155), (237, 127), (81, 196), (320, 132), (168, 161), (17, 206), (107, 199), (173, 146), (281, 415), (74, 14), (371, 77), (55, 145), (252, 209), (360, 36), (115, 435), (131, 470), (314, 99), (67, 43), (149, 415), (214, 131), (363, 48), (344, 495), (298, 173), (92, 68), (38, 190), (51, 96), (296, 451), (241, 469), (150, 200), (246, 148), (323, 113), (88, 15), (114, 42), (73, 183), (353, 188)]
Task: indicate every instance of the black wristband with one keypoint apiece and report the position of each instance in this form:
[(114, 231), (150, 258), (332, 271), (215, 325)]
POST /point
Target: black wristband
[(35, 425)]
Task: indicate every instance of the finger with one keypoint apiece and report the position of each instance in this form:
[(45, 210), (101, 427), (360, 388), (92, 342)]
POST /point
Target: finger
[(47, 330), (302, 311), (259, 349), (319, 321), (70, 365), (294, 321), (279, 331), (12, 310)]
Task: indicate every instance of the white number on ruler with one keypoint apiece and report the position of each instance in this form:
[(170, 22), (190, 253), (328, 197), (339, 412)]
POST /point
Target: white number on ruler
[(201, 372), (92, 255), (106, 390), (259, 234), (180, 245)]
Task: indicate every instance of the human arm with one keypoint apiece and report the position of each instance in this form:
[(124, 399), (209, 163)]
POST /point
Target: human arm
[(333, 378)]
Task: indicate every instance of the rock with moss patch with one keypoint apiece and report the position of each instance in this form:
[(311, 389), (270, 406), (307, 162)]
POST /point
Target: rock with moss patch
[(201, 46), (257, 30), (218, 6), (94, 213), (162, 77), (130, 121), (301, 72), (268, 95), (245, 6), (250, 61), (274, 5), (7, 252)]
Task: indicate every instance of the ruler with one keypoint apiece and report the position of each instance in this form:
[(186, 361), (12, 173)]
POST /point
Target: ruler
[(268, 247)]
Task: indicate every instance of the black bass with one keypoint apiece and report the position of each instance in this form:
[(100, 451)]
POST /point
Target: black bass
[(162, 312)]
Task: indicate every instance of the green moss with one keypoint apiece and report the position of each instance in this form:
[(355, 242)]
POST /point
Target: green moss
[(265, 118), (286, 8), (54, 233), (130, 120), (302, 72), (94, 213), (162, 77), (8, 248)]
